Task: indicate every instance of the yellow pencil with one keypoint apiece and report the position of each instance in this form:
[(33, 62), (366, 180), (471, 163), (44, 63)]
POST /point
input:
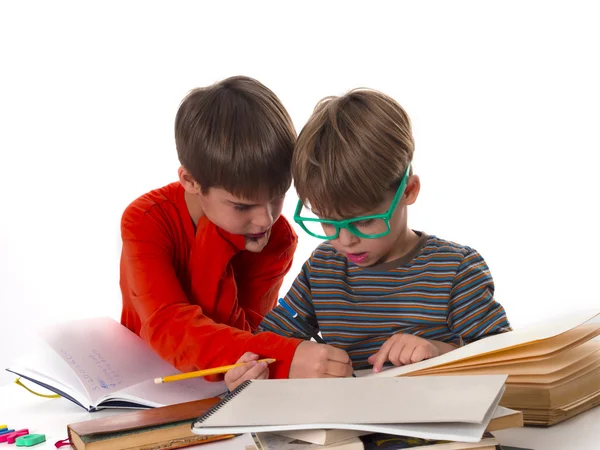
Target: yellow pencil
[(204, 373)]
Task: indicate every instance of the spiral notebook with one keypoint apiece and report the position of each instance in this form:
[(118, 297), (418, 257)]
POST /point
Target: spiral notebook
[(369, 404)]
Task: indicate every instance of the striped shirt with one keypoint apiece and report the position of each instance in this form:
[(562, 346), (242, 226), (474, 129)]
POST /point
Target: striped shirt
[(440, 290)]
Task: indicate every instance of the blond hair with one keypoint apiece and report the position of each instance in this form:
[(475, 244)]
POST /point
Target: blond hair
[(352, 150)]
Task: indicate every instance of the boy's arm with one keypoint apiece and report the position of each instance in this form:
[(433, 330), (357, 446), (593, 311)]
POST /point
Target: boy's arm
[(279, 321), (177, 330), (473, 313)]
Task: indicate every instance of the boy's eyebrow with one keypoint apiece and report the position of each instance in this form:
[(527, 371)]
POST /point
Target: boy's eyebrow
[(241, 203)]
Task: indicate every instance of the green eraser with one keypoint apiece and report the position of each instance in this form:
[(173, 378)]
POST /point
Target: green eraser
[(29, 440)]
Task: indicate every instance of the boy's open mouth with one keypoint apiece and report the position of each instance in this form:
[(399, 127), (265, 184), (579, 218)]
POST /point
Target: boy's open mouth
[(357, 258)]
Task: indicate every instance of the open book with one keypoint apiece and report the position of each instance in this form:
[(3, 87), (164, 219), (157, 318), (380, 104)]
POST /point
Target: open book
[(449, 408), (98, 363), (553, 367)]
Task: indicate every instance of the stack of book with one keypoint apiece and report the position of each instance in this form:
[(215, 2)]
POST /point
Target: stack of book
[(169, 427), (553, 368), (342, 413)]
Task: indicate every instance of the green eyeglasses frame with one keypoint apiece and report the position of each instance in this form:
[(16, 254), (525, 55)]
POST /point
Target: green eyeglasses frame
[(348, 224)]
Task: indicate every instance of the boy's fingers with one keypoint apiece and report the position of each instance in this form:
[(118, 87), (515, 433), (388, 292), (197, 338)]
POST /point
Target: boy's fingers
[(247, 357), (238, 372), (406, 355), (381, 356), (255, 372), (419, 354), (396, 352), (264, 374), (337, 369), (337, 354)]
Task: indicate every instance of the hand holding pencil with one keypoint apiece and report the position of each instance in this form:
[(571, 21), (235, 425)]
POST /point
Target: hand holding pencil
[(251, 368), (248, 367)]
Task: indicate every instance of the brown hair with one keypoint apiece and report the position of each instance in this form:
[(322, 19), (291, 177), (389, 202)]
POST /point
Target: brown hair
[(236, 135), (352, 150)]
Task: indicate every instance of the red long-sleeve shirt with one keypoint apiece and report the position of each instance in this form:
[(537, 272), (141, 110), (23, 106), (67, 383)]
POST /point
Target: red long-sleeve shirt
[(196, 296)]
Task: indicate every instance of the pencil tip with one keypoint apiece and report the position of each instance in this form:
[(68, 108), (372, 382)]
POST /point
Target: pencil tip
[(158, 381)]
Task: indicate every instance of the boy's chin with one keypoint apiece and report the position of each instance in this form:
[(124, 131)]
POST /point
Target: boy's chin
[(256, 245)]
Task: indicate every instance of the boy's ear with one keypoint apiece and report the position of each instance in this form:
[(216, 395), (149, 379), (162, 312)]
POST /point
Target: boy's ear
[(187, 181), (412, 190)]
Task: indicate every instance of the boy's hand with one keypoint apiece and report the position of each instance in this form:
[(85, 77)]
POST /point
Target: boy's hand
[(313, 360), (256, 245), (402, 349), (252, 370)]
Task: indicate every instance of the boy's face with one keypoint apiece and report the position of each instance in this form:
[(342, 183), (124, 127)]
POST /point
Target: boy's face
[(252, 218), (366, 252)]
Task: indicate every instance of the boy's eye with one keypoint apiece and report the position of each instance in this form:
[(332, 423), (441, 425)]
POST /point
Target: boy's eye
[(241, 207), (363, 223)]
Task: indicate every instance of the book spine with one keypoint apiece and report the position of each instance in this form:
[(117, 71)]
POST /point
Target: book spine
[(223, 402)]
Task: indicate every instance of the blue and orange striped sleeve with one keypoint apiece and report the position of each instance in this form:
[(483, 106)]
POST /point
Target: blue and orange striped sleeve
[(299, 298), (473, 313)]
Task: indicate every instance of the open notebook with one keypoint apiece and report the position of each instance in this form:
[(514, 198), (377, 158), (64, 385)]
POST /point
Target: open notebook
[(97, 363), (452, 408)]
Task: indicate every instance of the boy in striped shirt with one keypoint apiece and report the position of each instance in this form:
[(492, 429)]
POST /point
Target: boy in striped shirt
[(375, 288)]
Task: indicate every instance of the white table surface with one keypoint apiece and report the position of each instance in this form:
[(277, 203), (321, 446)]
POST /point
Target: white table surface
[(21, 409)]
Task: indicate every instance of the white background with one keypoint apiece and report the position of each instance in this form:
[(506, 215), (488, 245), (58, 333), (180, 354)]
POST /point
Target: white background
[(504, 99)]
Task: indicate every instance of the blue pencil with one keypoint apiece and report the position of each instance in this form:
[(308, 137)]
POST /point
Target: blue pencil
[(306, 327)]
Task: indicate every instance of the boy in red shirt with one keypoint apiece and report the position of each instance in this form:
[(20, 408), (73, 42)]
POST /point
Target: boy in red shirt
[(203, 258)]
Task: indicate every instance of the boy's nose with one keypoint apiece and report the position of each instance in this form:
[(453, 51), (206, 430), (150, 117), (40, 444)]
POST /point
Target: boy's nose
[(263, 217), (346, 238)]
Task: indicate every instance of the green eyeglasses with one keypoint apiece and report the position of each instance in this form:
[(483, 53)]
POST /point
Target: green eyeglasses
[(369, 227)]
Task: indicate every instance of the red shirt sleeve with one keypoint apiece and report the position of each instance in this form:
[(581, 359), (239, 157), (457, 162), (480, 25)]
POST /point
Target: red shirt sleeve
[(214, 328), (259, 276)]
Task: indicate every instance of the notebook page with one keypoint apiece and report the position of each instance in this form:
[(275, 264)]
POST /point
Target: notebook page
[(547, 348), (155, 395), (108, 359), (537, 366), (358, 400), (47, 367)]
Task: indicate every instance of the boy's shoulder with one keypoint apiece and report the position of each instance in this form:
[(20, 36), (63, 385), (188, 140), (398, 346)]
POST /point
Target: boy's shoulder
[(161, 207), (166, 196), (326, 251), (436, 245)]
